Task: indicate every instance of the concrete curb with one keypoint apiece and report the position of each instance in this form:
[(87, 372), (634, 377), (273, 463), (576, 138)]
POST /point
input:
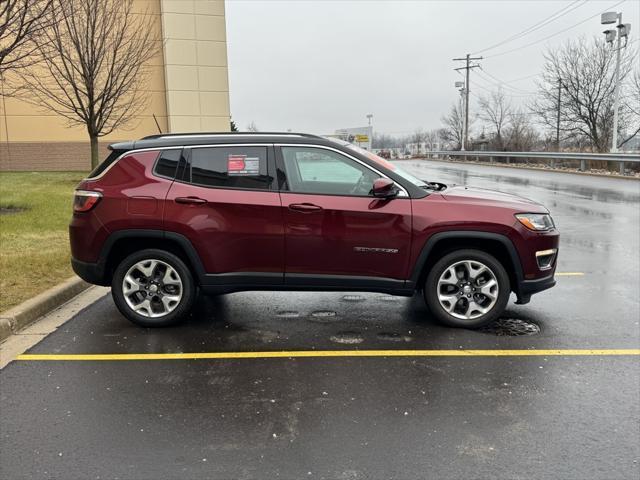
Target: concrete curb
[(23, 315), (524, 167)]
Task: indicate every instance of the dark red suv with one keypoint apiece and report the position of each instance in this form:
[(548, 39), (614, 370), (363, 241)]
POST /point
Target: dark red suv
[(170, 215)]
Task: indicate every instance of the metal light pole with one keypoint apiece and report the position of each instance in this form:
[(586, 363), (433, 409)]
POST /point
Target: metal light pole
[(369, 117), (461, 88), (608, 18)]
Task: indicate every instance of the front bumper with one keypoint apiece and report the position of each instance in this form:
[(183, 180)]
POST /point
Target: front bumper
[(526, 288)]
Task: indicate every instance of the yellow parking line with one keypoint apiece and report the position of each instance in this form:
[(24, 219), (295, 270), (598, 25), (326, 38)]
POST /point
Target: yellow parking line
[(328, 353), (569, 274)]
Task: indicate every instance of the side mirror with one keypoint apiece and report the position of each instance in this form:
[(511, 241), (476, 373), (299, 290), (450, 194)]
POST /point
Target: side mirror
[(384, 188)]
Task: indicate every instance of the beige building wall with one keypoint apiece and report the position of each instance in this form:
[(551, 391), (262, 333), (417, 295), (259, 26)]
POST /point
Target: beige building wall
[(188, 85), (195, 65)]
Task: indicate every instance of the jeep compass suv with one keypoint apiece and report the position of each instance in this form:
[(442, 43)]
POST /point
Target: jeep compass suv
[(170, 215)]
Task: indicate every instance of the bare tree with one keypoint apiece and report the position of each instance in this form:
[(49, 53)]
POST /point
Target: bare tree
[(417, 137), (453, 131), (633, 101), (252, 127), (95, 56), (496, 110), (519, 133), (22, 26), (431, 138), (584, 69)]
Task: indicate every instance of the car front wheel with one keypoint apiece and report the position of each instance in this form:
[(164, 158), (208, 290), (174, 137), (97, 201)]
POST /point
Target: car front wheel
[(467, 288), (153, 288)]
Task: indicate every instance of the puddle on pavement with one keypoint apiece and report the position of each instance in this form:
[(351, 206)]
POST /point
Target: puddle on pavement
[(393, 337), (323, 316), (288, 314), (388, 298), (511, 327), (353, 298), (348, 338)]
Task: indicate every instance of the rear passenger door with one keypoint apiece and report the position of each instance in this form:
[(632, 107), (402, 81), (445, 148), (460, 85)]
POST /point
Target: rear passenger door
[(225, 203)]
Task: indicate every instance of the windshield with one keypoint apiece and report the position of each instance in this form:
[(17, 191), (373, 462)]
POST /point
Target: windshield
[(383, 162)]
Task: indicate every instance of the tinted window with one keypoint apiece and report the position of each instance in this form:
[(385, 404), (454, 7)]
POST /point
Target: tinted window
[(168, 163), (231, 167), (113, 156), (315, 170)]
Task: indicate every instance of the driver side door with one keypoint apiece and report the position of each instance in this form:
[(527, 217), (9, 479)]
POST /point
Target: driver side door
[(334, 227)]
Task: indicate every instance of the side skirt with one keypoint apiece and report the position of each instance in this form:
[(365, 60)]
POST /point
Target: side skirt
[(237, 282)]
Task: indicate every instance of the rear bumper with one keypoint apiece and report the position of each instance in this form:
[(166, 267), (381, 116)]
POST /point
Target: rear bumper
[(90, 272), (529, 287)]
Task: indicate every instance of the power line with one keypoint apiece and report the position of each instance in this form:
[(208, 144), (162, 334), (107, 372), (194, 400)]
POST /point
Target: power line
[(551, 18), (491, 90), (504, 84), (506, 91), (555, 34), (520, 78)]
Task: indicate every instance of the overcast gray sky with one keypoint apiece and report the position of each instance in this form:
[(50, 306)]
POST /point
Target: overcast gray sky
[(319, 65)]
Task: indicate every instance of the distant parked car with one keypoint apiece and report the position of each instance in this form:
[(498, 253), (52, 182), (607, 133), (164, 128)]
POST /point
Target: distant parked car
[(170, 215)]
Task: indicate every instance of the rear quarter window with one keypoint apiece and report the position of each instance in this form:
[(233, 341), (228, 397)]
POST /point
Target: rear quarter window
[(107, 162), (167, 163)]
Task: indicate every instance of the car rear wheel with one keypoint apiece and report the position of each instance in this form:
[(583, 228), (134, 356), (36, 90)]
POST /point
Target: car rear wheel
[(467, 288), (153, 288)]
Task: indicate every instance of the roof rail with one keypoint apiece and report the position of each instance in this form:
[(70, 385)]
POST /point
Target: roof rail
[(216, 134)]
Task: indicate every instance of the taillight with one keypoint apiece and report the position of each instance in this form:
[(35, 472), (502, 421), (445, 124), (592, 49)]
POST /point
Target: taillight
[(85, 200)]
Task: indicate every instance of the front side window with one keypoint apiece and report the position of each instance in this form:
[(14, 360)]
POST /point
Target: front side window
[(316, 170), (230, 167)]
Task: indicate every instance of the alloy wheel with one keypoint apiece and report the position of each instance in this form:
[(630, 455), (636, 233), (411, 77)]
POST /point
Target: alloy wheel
[(468, 289), (152, 288)]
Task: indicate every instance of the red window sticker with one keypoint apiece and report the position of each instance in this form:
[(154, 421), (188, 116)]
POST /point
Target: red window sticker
[(239, 165), (235, 163)]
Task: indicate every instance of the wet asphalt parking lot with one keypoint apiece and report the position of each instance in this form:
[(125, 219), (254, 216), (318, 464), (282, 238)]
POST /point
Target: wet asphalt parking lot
[(506, 416)]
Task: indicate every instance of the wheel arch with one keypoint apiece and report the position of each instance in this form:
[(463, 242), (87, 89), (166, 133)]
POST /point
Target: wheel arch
[(125, 242), (500, 246)]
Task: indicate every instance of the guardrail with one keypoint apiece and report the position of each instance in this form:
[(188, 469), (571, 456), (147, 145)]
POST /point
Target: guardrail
[(621, 158)]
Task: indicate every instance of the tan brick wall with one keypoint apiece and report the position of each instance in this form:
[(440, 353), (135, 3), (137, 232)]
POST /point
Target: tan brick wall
[(189, 72), (49, 156)]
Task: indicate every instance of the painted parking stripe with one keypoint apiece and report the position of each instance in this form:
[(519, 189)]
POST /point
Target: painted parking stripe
[(329, 353), (569, 274)]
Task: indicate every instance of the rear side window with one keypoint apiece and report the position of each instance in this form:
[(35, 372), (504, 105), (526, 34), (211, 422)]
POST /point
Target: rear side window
[(230, 167), (167, 163), (113, 156)]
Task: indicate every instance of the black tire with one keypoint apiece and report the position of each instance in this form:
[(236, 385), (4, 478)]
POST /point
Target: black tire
[(180, 310), (431, 292)]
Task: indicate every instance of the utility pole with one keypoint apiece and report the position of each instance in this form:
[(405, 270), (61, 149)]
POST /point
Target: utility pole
[(468, 67), (558, 115)]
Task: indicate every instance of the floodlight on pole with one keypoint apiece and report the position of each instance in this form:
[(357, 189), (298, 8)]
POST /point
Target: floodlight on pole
[(623, 30), (609, 35)]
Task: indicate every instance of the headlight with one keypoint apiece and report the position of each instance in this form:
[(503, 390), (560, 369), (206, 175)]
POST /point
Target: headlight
[(536, 221)]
